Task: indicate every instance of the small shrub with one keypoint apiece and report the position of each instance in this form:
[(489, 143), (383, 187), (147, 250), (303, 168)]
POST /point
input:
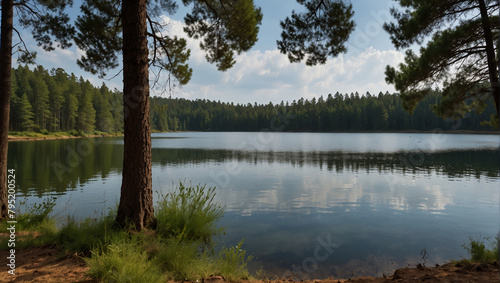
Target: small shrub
[(479, 253), (191, 214)]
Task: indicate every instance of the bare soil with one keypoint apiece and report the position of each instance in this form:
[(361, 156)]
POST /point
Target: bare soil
[(44, 264)]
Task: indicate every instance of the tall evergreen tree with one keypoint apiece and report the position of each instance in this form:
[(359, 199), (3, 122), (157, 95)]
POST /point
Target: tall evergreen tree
[(104, 117), (26, 114), (86, 113), (47, 20), (224, 28), (70, 106), (460, 54), (56, 100), (40, 101)]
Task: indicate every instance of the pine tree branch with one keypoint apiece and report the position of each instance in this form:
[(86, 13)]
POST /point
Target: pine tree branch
[(30, 9), (313, 12), (20, 39)]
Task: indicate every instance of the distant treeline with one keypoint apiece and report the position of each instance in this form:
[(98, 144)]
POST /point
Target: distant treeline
[(54, 101), (335, 113)]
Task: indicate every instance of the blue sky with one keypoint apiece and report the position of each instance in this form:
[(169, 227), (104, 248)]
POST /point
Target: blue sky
[(264, 75)]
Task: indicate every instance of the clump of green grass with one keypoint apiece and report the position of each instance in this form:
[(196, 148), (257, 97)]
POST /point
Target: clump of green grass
[(183, 260), (232, 262), (36, 216), (123, 261), (82, 236), (37, 221), (189, 213), (478, 252)]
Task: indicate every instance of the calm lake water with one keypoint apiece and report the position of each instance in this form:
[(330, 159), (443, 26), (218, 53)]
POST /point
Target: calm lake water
[(309, 205)]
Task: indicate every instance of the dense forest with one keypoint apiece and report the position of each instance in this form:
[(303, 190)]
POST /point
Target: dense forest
[(336, 113), (54, 101)]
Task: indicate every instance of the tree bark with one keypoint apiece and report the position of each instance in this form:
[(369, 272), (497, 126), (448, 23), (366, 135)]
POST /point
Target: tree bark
[(136, 200), (490, 53), (5, 93)]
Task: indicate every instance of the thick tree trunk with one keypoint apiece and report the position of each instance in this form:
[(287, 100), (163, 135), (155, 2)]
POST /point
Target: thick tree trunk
[(5, 92), (490, 53), (136, 200)]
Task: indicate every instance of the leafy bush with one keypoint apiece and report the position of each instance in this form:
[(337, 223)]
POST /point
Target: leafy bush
[(74, 133)]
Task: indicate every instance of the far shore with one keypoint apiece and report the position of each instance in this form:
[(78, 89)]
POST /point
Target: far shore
[(54, 136)]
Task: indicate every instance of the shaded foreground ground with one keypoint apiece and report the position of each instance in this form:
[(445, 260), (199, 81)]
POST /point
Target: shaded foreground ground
[(41, 264)]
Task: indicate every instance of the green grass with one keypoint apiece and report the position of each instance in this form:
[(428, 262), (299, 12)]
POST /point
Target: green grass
[(180, 249), (123, 260), (36, 220), (82, 236), (47, 134), (71, 133), (189, 213), (232, 262), (478, 251)]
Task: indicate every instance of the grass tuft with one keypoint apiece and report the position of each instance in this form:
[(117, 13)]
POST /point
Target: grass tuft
[(479, 253), (231, 263), (82, 236), (189, 213), (123, 261)]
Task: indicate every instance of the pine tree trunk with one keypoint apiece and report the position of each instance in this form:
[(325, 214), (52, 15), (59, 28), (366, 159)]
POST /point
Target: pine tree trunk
[(5, 92), (490, 53), (136, 200)]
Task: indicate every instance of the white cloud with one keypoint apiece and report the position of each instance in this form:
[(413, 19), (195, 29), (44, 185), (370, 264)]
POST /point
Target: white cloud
[(258, 75), (263, 76)]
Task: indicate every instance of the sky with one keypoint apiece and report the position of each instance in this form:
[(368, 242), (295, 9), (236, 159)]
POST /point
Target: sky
[(263, 74)]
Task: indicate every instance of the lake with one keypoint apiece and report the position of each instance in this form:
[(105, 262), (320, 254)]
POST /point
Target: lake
[(309, 205)]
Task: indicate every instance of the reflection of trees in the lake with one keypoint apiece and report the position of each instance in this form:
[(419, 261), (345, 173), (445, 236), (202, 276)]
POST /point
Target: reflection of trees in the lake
[(62, 165), (451, 163)]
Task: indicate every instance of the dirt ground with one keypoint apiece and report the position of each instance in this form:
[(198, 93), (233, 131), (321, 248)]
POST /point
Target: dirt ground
[(42, 264)]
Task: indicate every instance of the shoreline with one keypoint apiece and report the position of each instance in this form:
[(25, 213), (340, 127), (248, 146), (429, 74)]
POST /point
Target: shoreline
[(42, 264), (455, 132), (63, 137)]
